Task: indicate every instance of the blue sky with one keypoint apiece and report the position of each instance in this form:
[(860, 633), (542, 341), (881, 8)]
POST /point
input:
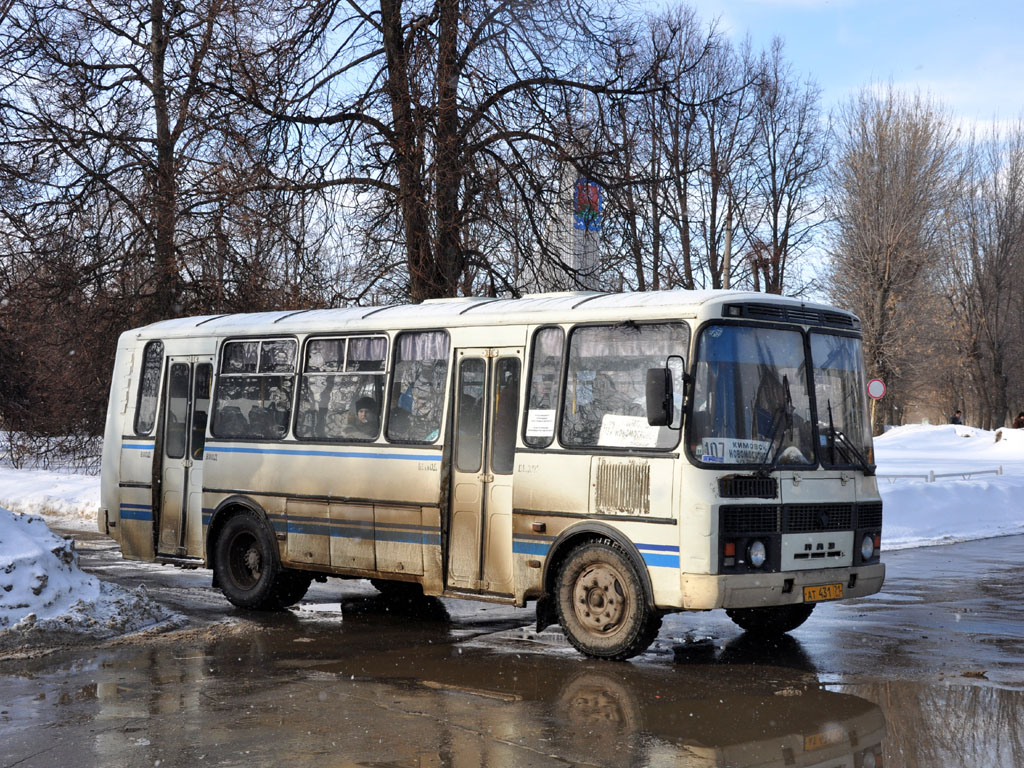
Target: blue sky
[(969, 55)]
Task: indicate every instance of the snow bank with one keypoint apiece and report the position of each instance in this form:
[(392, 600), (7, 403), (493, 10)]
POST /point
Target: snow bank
[(46, 598), (68, 499), (921, 513)]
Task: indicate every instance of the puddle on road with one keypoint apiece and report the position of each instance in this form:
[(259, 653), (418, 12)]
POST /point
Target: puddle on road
[(372, 692)]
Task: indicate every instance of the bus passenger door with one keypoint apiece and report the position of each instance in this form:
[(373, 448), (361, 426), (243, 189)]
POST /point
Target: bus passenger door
[(189, 381), (486, 419)]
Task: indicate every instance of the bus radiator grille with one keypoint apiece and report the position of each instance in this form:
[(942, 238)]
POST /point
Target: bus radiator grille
[(796, 518), (810, 518), (869, 515), (751, 518), (747, 487)]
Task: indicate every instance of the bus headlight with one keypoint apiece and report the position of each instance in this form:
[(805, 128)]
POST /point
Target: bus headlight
[(756, 553), (867, 547)]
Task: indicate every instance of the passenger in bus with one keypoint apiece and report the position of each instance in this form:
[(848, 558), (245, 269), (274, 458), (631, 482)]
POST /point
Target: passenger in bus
[(231, 422), (399, 423), (261, 423), (363, 421), (279, 408)]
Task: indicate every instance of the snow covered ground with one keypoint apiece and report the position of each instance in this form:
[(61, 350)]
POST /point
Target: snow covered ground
[(43, 592), (962, 506)]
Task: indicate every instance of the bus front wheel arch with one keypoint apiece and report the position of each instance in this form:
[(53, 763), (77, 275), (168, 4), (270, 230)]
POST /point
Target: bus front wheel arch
[(601, 602)]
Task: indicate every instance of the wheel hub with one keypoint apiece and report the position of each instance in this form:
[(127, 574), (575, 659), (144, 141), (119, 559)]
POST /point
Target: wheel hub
[(599, 600), (252, 559)]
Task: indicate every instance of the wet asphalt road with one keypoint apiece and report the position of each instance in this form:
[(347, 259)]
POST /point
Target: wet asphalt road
[(928, 673)]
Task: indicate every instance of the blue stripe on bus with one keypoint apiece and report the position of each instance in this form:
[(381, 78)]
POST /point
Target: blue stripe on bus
[(658, 547), (137, 446), (521, 547), (651, 558), (661, 561), (333, 454), (340, 531), (136, 512)]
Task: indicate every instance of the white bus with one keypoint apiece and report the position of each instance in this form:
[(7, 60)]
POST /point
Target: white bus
[(614, 457)]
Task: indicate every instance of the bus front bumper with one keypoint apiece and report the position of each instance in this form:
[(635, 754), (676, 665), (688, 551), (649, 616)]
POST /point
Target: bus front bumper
[(752, 590)]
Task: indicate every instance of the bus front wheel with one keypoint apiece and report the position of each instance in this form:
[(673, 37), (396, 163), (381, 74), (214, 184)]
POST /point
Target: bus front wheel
[(772, 620), (248, 569), (601, 603)]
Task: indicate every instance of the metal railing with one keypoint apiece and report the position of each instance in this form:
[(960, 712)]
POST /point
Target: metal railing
[(932, 476)]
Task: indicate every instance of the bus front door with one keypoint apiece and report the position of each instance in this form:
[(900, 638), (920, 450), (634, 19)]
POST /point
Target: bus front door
[(189, 382), (486, 417)]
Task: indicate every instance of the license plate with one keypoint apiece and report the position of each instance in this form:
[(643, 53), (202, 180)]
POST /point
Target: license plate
[(823, 739), (820, 592)]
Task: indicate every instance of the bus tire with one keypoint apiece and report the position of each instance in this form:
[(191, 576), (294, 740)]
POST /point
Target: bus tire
[(292, 586), (601, 603), (247, 567), (770, 621)]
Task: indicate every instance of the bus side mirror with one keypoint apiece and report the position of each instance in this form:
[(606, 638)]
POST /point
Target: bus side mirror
[(659, 397)]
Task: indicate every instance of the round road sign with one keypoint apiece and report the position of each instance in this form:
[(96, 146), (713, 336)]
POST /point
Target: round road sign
[(876, 389)]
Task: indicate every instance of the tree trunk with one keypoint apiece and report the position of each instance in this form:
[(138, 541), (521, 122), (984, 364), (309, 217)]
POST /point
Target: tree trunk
[(164, 184)]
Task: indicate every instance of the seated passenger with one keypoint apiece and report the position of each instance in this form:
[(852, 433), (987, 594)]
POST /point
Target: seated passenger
[(362, 422), (231, 422), (398, 424), (262, 423)]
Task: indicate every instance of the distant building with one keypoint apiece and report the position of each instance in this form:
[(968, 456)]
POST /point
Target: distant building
[(573, 236)]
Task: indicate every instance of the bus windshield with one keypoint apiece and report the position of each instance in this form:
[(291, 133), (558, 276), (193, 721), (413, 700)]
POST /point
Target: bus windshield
[(751, 404), (839, 389)]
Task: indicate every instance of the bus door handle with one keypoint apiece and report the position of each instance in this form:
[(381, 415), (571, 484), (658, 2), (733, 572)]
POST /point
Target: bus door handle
[(486, 478)]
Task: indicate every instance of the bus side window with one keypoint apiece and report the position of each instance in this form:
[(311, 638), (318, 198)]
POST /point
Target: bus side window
[(418, 385), (604, 384), (337, 375), (545, 374), (506, 413), (201, 400), (149, 387), (255, 389)]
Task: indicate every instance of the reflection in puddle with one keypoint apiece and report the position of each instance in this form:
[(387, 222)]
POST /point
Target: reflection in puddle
[(360, 700), (366, 693)]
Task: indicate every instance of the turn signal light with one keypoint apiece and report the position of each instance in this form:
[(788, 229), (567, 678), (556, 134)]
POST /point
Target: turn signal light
[(730, 549)]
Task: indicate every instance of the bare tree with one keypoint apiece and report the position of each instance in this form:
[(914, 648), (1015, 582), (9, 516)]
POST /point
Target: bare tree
[(985, 250), (790, 156), (892, 184), (133, 189), (439, 110)]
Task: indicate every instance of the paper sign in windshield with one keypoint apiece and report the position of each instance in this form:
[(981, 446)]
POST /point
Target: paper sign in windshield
[(627, 432), (730, 450)]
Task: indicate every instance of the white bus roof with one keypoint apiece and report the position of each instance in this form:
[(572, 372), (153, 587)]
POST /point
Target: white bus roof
[(574, 306)]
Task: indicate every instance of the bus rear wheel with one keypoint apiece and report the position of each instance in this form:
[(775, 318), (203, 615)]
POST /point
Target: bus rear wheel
[(770, 621), (248, 570), (601, 603)]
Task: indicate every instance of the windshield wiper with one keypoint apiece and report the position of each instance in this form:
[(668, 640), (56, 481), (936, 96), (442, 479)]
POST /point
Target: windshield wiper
[(845, 442), (783, 414)]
